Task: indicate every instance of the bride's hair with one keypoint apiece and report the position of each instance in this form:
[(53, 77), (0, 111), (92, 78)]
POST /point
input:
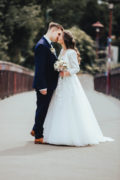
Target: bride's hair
[(70, 43)]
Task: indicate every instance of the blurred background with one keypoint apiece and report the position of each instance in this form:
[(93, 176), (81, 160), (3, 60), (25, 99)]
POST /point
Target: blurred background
[(22, 23), (94, 24)]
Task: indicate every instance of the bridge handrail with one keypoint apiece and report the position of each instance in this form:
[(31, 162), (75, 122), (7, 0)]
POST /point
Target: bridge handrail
[(100, 83), (14, 79), (5, 65)]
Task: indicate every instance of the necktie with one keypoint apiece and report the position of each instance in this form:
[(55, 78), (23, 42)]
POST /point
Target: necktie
[(52, 44)]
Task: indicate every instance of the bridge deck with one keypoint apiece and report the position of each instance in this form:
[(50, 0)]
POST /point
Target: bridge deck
[(21, 159)]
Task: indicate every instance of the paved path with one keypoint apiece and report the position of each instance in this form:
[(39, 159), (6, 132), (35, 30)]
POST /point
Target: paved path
[(21, 159)]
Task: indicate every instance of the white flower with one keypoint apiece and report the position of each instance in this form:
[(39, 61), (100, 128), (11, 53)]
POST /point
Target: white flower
[(53, 50), (60, 65)]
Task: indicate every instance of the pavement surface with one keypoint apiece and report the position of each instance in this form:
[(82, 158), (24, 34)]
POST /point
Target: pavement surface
[(20, 158)]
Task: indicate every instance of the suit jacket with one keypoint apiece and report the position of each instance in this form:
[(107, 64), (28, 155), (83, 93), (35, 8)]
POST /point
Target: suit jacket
[(45, 76)]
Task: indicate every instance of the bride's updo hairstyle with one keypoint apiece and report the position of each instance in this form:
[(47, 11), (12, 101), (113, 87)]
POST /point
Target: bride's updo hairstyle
[(70, 43)]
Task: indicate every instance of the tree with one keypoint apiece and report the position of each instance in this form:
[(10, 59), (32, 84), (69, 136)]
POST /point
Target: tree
[(3, 37), (116, 24), (20, 24), (67, 12)]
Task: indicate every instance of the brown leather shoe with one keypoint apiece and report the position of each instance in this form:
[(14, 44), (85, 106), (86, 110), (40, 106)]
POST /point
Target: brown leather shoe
[(32, 133), (39, 141)]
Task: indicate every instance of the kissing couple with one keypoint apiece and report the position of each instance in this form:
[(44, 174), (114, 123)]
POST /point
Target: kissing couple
[(64, 115)]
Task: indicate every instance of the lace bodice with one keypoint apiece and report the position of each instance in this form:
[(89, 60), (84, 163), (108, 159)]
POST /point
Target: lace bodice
[(70, 57)]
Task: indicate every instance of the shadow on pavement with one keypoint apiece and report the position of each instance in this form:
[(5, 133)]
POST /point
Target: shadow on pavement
[(31, 149)]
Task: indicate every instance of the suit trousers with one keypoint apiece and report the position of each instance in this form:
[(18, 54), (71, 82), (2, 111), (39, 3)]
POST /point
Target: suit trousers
[(41, 111)]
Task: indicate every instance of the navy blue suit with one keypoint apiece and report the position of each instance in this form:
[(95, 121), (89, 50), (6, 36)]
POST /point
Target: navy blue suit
[(45, 78)]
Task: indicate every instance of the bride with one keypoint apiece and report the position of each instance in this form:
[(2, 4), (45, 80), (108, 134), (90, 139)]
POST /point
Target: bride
[(70, 119)]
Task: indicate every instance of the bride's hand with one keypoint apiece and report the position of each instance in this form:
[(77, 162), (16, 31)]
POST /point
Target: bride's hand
[(61, 74), (64, 74)]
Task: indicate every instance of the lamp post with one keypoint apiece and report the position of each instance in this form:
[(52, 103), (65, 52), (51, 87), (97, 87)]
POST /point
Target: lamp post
[(97, 26), (110, 5)]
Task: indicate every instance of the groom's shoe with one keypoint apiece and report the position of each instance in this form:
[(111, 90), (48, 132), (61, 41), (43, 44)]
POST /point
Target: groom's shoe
[(39, 141), (32, 133)]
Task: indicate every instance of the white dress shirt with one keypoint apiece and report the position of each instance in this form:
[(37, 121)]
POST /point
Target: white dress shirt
[(48, 40)]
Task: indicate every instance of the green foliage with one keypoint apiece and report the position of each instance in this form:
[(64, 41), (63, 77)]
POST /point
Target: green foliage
[(22, 23), (67, 12), (3, 38), (116, 25), (24, 28), (19, 27)]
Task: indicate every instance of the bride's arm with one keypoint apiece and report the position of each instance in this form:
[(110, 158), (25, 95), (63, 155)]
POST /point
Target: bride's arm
[(74, 65)]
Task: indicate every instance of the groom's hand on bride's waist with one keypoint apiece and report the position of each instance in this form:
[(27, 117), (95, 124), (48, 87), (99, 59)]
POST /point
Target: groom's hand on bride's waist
[(43, 91)]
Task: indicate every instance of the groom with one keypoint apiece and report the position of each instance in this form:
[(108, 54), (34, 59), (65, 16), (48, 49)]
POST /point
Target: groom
[(45, 78)]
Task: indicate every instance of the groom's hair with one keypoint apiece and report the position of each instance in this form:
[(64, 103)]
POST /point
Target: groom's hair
[(56, 25)]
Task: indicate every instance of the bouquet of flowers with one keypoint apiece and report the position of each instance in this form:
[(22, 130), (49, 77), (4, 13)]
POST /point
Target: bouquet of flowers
[(60, 65)]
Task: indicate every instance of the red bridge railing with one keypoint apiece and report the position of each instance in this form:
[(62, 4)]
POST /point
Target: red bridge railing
[(14, 79), (100, 83)]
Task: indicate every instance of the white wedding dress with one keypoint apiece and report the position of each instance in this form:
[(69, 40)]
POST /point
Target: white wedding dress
[(70, 119)]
